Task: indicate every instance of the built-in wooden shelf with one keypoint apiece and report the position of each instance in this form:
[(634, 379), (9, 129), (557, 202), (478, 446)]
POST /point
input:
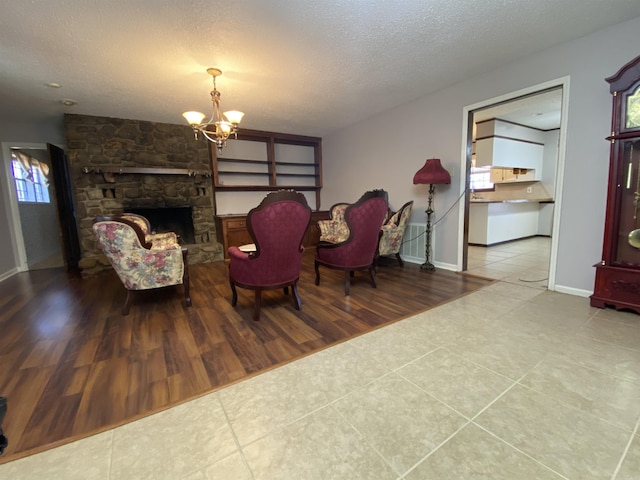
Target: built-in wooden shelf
[(273, 165)]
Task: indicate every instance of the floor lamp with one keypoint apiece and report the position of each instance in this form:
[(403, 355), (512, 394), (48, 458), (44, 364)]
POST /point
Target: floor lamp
[(433, 173)]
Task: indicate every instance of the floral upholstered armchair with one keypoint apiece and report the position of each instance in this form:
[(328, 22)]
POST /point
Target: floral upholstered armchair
[(335, 229), (138, 264), (157, 240), (393, 232)]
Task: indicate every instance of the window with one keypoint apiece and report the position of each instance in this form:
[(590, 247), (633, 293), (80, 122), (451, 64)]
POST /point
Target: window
[(480, 179), (30, 176)]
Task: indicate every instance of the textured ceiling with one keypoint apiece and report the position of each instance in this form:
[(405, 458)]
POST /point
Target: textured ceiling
[(291, 66)]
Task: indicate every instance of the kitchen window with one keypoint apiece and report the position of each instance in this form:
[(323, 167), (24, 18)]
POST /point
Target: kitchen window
[(481, 179)]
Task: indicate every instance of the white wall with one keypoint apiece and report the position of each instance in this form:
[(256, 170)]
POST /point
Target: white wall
[(386, 150), (40, 230)]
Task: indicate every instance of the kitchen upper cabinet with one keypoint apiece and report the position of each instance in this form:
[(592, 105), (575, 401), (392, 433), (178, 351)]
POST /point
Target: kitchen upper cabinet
[(509, 153), (504, 144)]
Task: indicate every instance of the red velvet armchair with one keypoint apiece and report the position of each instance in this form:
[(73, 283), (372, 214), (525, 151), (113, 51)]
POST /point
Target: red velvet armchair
[(277, 227), (364, 219)]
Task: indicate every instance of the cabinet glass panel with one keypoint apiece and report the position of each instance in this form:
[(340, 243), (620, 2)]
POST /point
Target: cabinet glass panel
[(633, 110), (628, 241)]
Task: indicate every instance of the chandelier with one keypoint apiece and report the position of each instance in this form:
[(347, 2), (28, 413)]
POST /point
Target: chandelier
[(220, 126)]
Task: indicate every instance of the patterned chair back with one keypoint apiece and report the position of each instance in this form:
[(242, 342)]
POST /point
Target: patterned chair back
[(138, 267), (393, 230)]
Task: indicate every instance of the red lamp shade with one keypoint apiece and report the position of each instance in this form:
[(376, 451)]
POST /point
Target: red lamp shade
[(432, 173)]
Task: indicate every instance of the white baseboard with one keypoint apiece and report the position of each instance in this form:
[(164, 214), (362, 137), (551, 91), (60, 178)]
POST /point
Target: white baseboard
[(8, 274), (420, 261), (573, 291)]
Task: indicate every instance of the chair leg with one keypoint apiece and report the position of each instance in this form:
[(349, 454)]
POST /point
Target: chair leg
[(187, 290), (296, 297), (347, 282), (316, 265), (372, 277), (286, 290), (399, 260), (234, 293), (257, 305), (185, 277), (127, 303)]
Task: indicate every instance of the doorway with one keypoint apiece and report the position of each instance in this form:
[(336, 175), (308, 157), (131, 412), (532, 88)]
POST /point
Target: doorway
[(36, 188), (527, 256)]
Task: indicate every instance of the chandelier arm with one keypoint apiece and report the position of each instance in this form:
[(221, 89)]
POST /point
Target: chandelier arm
[(205, 133), (218, 128)]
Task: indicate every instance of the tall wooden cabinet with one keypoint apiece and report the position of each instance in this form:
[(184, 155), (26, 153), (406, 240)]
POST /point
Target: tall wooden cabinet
[(232, 231), (618, 274)]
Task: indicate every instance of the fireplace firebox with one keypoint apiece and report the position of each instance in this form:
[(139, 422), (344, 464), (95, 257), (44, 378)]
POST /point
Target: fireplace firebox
[(169, 219)]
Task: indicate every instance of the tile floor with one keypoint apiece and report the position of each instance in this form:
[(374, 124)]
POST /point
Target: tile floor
[(509, 382), (524, 262)]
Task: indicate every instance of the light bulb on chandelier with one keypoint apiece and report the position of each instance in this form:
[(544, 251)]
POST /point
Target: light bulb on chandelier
[(221, 125)]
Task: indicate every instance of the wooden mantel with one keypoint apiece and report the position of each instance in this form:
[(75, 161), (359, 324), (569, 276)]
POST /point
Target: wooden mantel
[(110, 172)]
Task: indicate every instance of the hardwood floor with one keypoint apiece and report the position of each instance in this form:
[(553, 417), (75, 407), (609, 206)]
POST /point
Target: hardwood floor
[(71, 365)]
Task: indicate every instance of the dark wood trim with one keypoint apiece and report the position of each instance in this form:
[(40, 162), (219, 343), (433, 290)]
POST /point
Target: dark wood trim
[(510, 138), (496, 119), (265, 188), (261, 135), (625, 77), (65, 206), (146, 171)]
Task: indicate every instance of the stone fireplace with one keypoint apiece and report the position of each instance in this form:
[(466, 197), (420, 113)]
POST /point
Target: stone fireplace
[(155, 169)]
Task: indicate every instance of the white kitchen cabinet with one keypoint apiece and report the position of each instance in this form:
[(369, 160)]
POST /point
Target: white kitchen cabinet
[(510, 153), (496, 222)]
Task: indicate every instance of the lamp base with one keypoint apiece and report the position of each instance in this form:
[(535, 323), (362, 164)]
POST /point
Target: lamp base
[(428, 267)]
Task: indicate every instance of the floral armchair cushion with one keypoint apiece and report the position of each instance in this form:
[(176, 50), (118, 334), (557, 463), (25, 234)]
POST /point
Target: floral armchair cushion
[(139, 268), (157, 240), (334, 230), (393, 230)]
